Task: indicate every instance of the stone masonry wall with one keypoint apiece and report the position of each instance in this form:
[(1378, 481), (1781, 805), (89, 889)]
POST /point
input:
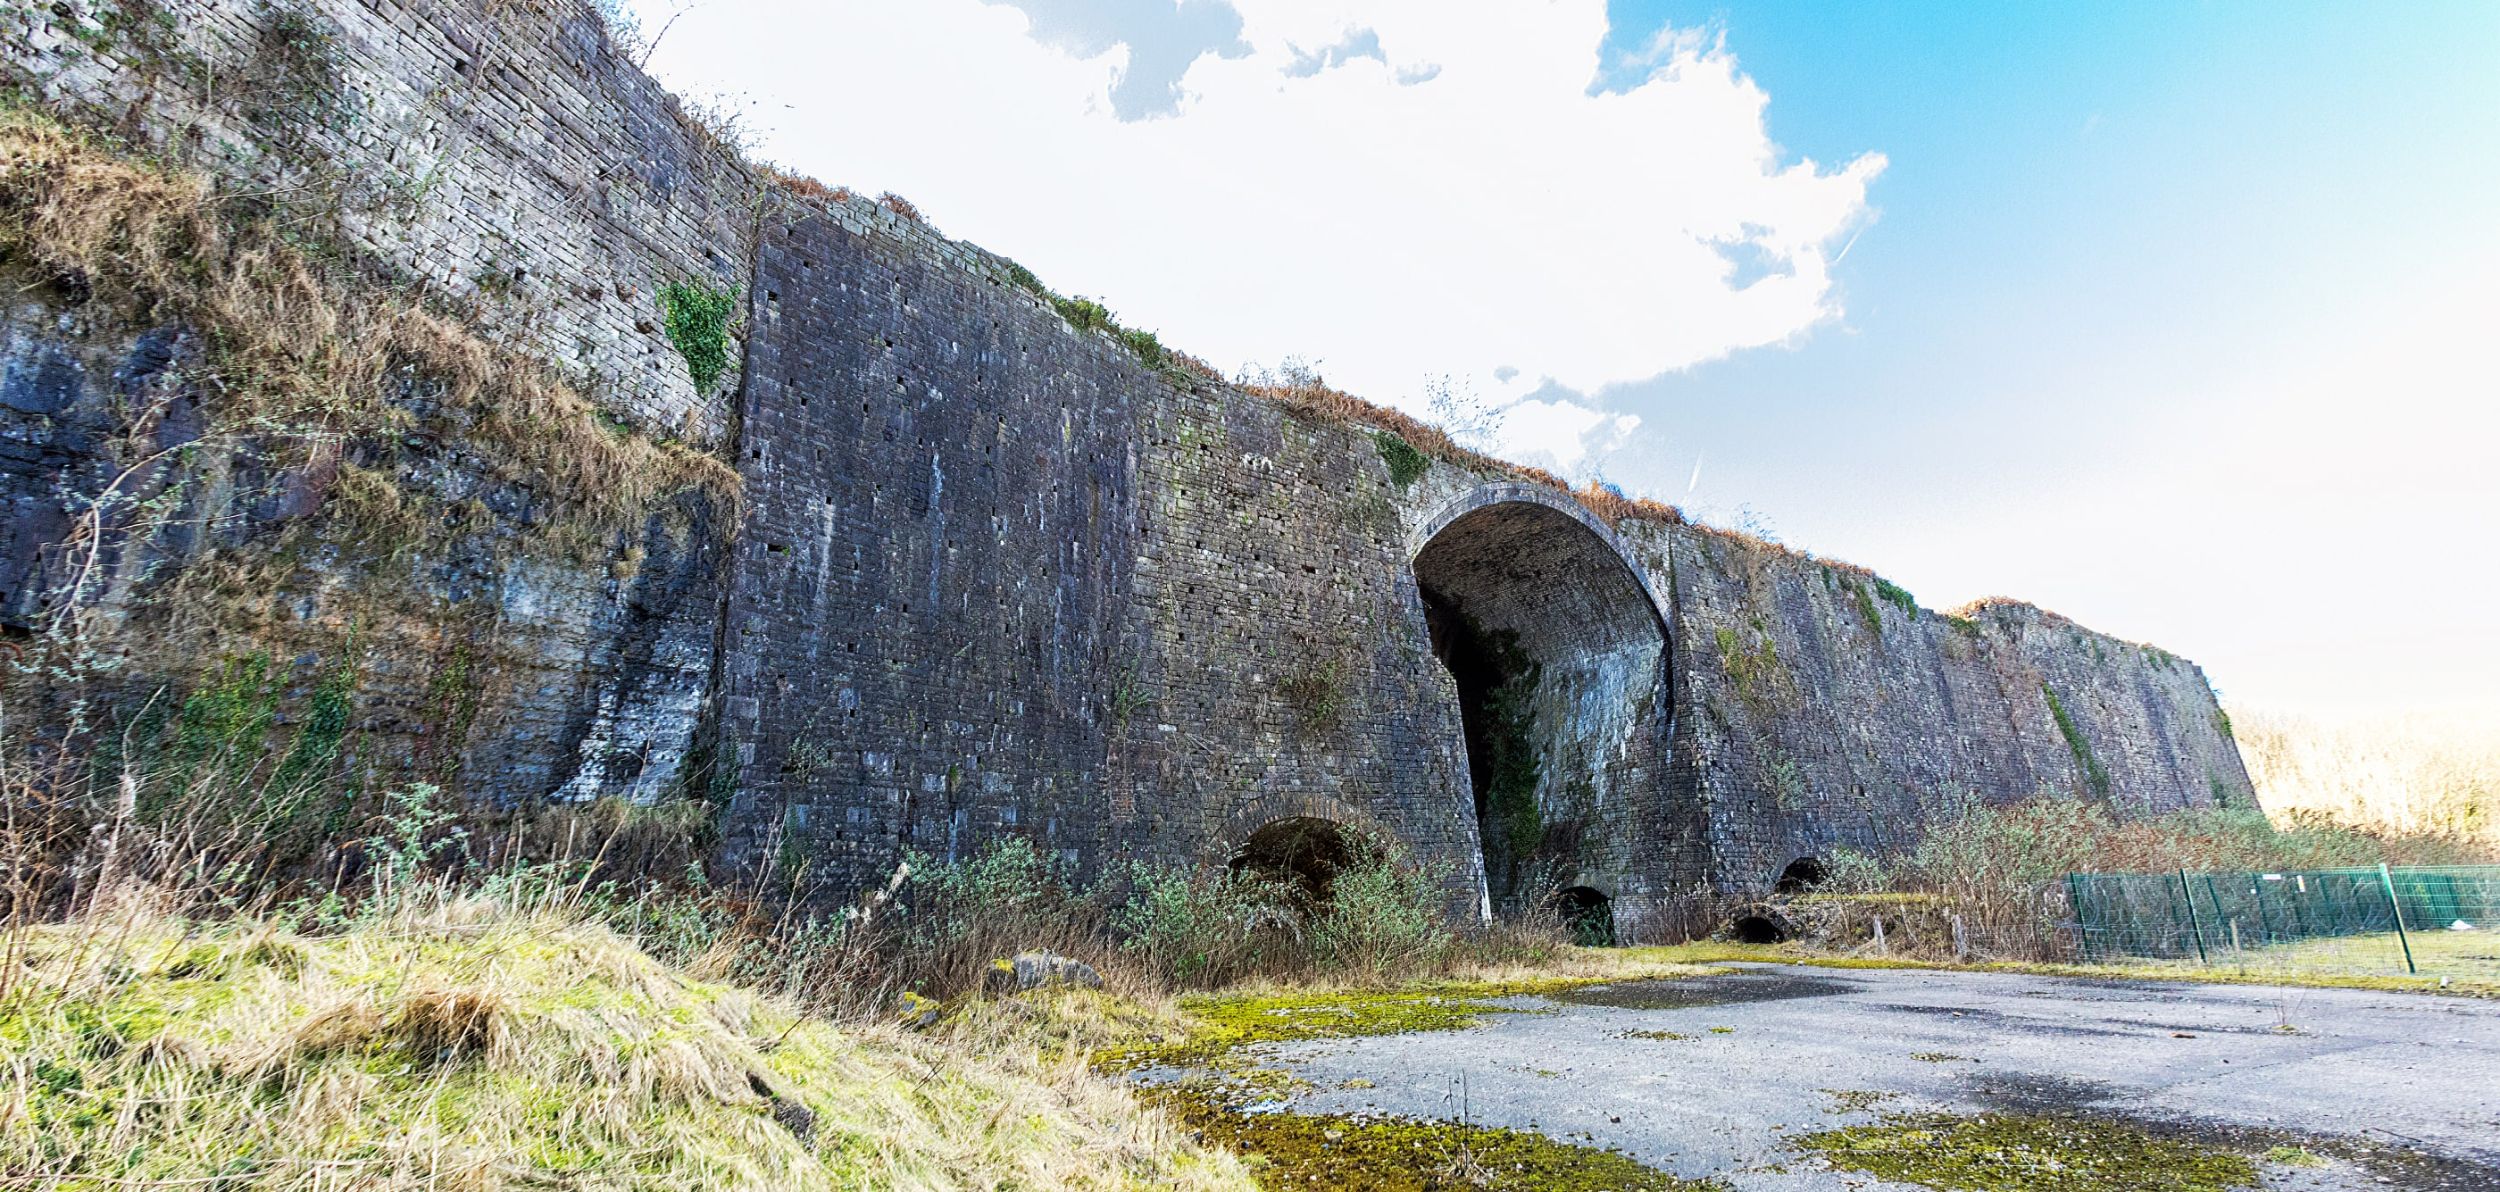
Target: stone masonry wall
[(1814, 711), (1001, 577), (503, 162)]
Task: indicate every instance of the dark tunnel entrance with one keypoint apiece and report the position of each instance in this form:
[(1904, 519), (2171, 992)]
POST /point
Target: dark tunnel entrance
[(1802, 875), (1555, 650), (1589, 915), (1301, 853)]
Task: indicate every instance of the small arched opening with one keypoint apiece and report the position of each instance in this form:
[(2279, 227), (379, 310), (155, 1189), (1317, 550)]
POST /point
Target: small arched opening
[(1301, 852), (1757, 929), (1802, 875), (1589, 915)]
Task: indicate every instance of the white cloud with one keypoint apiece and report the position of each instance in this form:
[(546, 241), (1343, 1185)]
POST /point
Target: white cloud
[(1458, 203)]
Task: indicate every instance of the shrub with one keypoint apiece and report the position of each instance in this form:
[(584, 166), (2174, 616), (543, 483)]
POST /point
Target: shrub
[(958, 916), (1384, 915), (1205, 927)]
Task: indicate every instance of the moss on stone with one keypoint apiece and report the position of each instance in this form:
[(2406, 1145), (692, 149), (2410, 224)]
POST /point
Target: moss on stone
[(1379, 1154), (2020, 1153), (1406, 465)]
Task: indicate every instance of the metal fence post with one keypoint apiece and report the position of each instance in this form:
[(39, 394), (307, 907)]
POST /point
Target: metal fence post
[(2189, 894), (2387, 881)]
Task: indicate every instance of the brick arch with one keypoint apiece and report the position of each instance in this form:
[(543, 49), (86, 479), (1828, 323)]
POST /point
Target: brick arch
[(1275, 806), (1513, 492)]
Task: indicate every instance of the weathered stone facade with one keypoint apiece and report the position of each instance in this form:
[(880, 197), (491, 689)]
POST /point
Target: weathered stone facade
[(995, 575)]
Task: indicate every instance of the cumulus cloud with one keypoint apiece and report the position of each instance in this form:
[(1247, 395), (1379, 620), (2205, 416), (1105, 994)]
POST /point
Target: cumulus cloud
[(1400, 188), (1158, 40)]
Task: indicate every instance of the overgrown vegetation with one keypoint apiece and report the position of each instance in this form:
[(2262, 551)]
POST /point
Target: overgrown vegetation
[(2095, 775), (1315, 689), (302, 351), (1406, 465), (698, 319), (2417, 775), (1999, 866), (502, 1040), (1361, 1153), (1754, 666)]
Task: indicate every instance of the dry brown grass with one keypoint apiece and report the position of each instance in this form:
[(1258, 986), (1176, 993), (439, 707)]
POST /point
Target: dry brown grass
[(1311, 398), (304, 351), (2400, 775), (901, 206)]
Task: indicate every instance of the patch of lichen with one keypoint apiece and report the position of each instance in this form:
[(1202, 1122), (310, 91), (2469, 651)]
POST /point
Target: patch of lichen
[(1381, 1154), (2022, 1153), (1218, 1024)]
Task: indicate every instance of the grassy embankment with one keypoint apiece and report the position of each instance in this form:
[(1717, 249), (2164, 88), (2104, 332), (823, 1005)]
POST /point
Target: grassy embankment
[(471, 1045)]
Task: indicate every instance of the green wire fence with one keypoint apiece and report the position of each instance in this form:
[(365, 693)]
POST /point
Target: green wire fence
[(2442, 921)]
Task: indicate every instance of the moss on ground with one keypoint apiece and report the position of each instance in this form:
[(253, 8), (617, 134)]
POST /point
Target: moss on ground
[(1218, 1024), (1378, 1154), (2016, 1153)]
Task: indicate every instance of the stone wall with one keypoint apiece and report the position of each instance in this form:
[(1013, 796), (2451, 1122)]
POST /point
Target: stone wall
[(999, 576), (994, 575), (502, 163), (1819, 706)]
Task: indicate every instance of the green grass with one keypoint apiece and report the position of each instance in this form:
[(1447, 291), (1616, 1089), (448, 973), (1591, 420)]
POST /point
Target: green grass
[(2314, 977), (2469, 957)]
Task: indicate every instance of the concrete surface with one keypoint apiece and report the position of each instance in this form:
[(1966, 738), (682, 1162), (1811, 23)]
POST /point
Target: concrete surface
[(2405, 1087)]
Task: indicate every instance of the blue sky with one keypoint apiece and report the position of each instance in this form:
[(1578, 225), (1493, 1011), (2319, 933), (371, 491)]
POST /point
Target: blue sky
[(2174, 318), (2115, 338)]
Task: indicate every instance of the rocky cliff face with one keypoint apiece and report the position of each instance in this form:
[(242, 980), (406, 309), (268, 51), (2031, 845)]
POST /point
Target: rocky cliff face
[(923, 565)]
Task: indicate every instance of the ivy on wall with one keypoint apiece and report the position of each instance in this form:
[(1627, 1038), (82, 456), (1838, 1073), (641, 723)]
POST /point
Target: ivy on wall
[(698, 318)]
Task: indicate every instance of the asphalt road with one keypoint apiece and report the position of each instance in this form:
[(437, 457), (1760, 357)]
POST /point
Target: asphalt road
[(1776, 1051)]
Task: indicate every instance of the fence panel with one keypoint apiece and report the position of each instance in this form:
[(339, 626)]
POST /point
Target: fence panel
[(2429, 921)]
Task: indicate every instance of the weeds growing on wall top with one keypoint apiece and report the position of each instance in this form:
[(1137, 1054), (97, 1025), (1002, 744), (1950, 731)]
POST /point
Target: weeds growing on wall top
[(699, 318), (1406, 465)]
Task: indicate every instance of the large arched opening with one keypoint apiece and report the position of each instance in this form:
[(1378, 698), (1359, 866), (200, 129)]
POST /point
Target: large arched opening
[(1555, 645)]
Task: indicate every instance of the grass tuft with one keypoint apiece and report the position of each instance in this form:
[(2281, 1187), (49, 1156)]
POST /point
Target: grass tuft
[(485, 1045)]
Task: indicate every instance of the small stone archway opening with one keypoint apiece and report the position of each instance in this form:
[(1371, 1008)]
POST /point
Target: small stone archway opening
[(1803, 875), (1302, 853), (1757, 929), (1588, 914), (1555, 648)]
